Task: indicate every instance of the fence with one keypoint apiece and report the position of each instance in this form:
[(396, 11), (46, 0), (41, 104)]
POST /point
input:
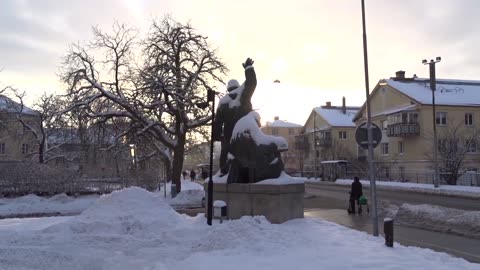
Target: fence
[(19, 179)]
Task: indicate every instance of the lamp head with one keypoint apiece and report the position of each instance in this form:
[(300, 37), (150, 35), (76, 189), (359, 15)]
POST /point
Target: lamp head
[(438, 59), (424, 61)]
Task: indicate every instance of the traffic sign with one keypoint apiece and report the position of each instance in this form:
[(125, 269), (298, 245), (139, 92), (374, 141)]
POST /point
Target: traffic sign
[(361, 135)]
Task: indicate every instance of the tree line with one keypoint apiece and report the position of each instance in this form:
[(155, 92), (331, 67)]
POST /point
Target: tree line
[(144, 89)]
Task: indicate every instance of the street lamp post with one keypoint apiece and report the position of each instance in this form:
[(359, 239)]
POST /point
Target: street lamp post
[(370, 127), (433, 86), (204, 105)]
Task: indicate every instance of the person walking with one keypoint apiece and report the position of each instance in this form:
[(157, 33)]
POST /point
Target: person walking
[(192, 175), (355, 193), (184, 173)]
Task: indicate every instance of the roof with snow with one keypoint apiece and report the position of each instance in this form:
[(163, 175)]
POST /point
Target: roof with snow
[(283, 124), (10, 106), (335, 116), (449, 92)]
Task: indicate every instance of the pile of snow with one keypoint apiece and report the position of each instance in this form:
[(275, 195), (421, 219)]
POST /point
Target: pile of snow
[(32, 204), (463, 191), (61, 204), (283, 179), (249, 126), (128, 211), (440, 219), (136, 229)]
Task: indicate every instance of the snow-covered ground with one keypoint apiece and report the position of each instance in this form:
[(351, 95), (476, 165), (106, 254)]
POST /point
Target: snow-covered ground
[(464, 191), (137, 229)]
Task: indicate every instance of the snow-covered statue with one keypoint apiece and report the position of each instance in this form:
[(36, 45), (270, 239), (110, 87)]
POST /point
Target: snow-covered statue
[(247, 154), (254, 156), (233, 106)]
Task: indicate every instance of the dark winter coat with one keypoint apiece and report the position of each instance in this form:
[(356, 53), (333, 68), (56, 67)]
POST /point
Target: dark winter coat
[(356, 191)]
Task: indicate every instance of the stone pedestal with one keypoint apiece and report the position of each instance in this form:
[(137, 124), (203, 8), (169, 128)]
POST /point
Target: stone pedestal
[(278, 203)]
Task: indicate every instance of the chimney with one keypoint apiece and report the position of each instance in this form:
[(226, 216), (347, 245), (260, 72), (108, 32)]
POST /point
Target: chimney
[(329, 104), (400, 75), (344, 107), (276, 118)]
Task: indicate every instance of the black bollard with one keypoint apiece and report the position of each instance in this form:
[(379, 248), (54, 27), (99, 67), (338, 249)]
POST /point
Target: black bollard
[(388, 231)]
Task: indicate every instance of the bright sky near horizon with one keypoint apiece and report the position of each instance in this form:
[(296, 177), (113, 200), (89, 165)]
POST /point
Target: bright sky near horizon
[(314, 47)]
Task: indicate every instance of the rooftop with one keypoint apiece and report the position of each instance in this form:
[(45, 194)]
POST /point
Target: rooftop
[(10, 106), (282, 124), (449, 92), (335, 116)]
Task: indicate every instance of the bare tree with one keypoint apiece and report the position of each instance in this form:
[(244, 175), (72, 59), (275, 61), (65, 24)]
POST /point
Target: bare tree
[(45, 124), (157, 98), (454, 144)]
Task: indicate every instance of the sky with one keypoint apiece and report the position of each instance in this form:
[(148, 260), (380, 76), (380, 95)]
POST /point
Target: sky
[(136, 229), (314, 47)]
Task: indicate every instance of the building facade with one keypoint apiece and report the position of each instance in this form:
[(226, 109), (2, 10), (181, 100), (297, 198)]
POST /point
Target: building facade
[(15, 140), (287, 130), (328, 135), (403, 108)]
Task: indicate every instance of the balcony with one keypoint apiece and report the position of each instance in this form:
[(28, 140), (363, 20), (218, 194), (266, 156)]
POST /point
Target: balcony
[(403, 130), (323, 142)]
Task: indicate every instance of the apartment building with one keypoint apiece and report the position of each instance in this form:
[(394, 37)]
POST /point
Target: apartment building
[(15, 140), (328, 135), (288, 131), (403, 108)]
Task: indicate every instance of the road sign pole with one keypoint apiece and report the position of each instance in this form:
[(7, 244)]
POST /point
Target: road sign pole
[(373, 192)]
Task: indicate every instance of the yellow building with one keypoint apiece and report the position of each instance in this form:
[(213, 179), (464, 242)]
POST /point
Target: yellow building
[(288, 131), (15, 140), (402, 107), (328, 135)]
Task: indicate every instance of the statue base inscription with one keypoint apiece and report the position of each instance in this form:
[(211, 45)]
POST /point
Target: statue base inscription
[(278, 202)]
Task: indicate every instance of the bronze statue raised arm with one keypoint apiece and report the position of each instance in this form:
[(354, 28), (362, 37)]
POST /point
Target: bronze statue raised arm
[(233, 106)]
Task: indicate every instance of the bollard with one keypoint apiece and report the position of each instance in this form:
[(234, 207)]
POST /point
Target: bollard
[(388, 231), (220, 210), (173, 190)]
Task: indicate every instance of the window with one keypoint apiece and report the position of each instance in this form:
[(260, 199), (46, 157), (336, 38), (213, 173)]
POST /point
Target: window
[(24, 148), (469, 119), (471, 146), (274, 131), (401, 148), (384, 148), (342, 135), (384, 125), (291, 131), (441, 118), (2, 148), (317, 154)]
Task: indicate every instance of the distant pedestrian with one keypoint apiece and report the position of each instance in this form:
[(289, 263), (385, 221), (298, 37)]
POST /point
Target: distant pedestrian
[(192, 175), (184, 173), (355, 193)]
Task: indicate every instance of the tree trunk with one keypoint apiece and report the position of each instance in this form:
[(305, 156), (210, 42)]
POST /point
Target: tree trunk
[(41, 152), (177, 163)]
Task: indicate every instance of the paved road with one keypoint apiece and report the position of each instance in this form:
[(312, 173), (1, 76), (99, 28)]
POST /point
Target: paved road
[(338, 195), (330, 203)]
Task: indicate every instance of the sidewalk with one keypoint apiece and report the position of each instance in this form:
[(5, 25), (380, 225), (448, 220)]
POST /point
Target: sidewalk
[(472, 192), (459, 246)]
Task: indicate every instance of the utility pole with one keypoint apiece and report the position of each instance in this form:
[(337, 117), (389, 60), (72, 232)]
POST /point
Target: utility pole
[(211, 98), (315, 141), (371, 169), (433, 86)]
